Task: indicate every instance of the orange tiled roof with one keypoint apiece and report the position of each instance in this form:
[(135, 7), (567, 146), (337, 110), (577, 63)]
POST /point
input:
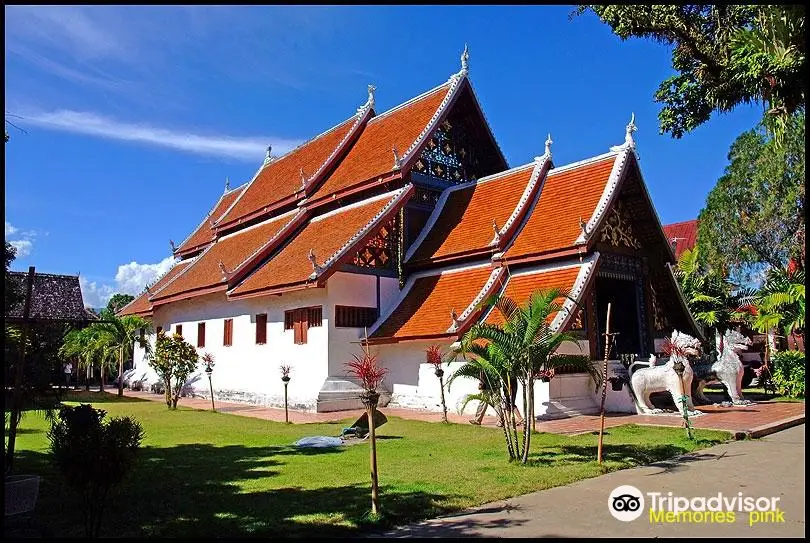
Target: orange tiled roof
[(325, 235), (464, 223), (520, 287), (371, 156), (282, 177), (685, 233), (204, 235), (567, 195), (427, 306), (231, 250), (141, 304)]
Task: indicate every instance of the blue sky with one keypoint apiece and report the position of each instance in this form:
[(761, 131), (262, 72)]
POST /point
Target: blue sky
[(135, 116)]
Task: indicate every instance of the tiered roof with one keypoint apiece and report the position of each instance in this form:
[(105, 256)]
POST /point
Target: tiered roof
[(142, 305), (204, 234)]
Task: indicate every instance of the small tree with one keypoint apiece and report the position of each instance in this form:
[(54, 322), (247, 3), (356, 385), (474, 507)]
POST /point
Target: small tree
[(173, 359), (434, 358), (93, 456)]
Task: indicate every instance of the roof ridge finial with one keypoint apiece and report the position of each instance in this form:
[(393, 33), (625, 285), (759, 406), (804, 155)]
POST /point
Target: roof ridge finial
[(316, 269), (497, 239), (303, 179), (225, 273), (454, 317), (631, 127), (171, 243), (465, 61), (397, 159), (549, 141), (268, 157), (227, 184), (371, 89)]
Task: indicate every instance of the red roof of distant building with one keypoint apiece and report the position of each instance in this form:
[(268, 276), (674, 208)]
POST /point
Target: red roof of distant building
[(683, 235)]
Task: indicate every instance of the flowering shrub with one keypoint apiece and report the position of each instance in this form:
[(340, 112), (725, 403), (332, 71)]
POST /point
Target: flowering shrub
[(365, 368), (789, 373), (434, 355)]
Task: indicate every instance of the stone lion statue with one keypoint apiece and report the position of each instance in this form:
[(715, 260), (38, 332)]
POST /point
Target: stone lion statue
[(727, 370), (651, 378)]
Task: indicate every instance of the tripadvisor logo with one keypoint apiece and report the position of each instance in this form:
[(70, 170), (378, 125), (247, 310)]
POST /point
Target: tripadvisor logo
[(626, 503)]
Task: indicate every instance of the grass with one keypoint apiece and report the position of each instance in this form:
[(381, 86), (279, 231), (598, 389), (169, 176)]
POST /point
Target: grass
[(203, 474)]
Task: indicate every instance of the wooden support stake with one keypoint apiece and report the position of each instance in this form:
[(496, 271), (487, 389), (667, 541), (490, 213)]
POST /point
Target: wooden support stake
[(604, 386)]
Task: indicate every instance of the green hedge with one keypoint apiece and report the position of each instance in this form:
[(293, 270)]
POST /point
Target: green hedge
[(788, 373)]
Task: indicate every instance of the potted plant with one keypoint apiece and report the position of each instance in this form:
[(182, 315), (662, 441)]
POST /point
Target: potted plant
[(370, 375), (434, 357), (617, 382), (285, 378)]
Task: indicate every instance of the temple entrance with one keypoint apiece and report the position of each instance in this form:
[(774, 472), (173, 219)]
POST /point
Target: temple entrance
[(624, 315)]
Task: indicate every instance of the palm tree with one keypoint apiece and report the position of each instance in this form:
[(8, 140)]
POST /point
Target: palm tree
[(91, 346), (522, 347), (780, 303), (122, 333)]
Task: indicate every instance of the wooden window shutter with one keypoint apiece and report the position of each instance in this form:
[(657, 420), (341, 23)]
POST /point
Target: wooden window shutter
[(289, 320), (200, 334), (228, 339), (178, 330), (298, 335), (261, 328)]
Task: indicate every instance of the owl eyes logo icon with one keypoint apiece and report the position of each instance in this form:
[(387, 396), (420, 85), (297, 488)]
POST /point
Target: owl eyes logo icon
[(626, 503)]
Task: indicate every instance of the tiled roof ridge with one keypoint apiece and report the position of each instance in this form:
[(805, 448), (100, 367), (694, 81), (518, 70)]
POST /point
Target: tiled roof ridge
[(608, 194), (266, 163), (408, 102), (496, 275), (283, 231), (562, 316), (207, 217), (45, 274), (584, 162), (191, 263), (146, 288), (437, 210), (411, 281), (541, 164), (363, 114), (396, 197)]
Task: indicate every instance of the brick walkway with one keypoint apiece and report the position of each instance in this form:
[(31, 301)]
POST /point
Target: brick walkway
[(735, 419)]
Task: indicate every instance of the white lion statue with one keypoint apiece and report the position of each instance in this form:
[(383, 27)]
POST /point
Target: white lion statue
[(646, 380), (728, 370)]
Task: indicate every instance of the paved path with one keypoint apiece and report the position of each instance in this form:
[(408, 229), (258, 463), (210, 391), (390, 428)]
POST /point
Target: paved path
[(733, 419), (771, 466)]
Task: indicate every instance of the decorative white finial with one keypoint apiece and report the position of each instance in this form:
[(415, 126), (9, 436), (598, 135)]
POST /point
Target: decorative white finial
[(397, 160), (171, 242), (583, 226), (549, 141), (303, 179), (268, 157), (497, 239), (631, 127), (628, 136), (225, 273), (227, 184), (371, 89), (465, 61), (316, 269), (454, 316)]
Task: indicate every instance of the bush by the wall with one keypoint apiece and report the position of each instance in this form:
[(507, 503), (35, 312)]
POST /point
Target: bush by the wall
[(788, 373)]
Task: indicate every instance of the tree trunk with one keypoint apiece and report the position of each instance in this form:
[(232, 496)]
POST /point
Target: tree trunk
[(375, 492), (121, 371), (167, 384), (527, 428), (103, 380), (444, 406)]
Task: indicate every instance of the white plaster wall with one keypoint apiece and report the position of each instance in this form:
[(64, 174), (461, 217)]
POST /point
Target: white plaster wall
[(245, 371)]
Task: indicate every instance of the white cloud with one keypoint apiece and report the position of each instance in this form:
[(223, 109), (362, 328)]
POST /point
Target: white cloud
[(130, 279), (10, 229), (251, 148), (23, 247), (133, 277), (94, 294)]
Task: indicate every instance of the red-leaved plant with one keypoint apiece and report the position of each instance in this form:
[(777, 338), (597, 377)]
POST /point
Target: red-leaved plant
[(285, 370), (365, 368), (434, 355)]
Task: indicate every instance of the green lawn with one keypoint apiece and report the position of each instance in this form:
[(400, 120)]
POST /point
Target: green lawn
[(205, 474), (715, 393)]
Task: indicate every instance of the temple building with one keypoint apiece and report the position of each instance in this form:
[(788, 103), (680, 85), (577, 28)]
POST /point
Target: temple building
[(390, 229)]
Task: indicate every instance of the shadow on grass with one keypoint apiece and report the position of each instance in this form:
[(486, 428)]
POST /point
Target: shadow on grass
[(200, 490), (633, 455)]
